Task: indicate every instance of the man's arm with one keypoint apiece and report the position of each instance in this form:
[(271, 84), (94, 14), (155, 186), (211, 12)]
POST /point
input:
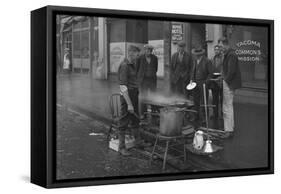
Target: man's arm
[(172, 73), (209, 69), (139, 69), (125, 94), (232, 66), (156, 63), (186, 72), (123, 85), (192, 69)]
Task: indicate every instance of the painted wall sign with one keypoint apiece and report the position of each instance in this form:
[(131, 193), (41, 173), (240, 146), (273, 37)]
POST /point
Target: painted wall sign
[(177, 32), (248, 50)]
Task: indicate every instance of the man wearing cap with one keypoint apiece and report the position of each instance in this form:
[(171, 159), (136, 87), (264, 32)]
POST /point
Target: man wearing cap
[(181, 63), (199, 75), (128, 83), (231, 81), (148, 66)]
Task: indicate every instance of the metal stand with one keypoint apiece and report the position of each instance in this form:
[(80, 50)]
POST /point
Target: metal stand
[(167, 145)]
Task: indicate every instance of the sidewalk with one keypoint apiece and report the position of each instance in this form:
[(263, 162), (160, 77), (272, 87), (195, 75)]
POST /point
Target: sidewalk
[(90, 96), (248, 148), (82, 151)]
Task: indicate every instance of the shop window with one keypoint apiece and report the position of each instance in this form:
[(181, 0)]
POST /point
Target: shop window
[(76, 45), (85, 44), (251, 46), (76, 25), (85, 23)]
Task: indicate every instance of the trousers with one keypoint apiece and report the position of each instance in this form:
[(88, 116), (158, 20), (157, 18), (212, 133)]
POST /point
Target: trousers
[(198, 98), (178, 88), (217, 96), (227, 108), (148, 85), (126, 117)]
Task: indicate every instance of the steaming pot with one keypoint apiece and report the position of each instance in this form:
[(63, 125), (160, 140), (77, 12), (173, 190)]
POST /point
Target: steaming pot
[(171, 121)]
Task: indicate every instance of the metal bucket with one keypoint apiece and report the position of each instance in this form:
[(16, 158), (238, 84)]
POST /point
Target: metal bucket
[(171, 121)]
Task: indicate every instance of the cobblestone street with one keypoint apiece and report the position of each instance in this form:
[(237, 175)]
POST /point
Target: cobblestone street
[(82, 151)]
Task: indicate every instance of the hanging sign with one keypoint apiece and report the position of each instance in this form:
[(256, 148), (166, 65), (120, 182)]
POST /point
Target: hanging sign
[(177, 32)]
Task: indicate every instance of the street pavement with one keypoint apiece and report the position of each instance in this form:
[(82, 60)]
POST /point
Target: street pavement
[(83, 109), (82, 150)]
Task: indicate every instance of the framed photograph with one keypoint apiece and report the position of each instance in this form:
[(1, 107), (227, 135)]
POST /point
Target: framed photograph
[(126, 96)]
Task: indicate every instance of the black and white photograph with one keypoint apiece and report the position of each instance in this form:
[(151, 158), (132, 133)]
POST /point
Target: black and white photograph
[(149, 97), (139, 97)]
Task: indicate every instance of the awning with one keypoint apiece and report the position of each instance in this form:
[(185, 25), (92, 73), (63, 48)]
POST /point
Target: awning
[(66, 22)]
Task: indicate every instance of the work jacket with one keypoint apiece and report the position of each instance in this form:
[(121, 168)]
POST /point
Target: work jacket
[(231, 70), (127, 74)]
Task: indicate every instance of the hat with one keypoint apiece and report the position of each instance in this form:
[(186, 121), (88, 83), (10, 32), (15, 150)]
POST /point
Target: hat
[(224, 40), (181, 44), (133, 48), (147, 46), (198, 51)]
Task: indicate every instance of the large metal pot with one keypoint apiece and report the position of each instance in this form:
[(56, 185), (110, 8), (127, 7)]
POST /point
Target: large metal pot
[(171, 121)]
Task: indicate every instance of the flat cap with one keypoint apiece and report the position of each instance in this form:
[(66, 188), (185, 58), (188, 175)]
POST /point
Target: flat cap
[(198, 51), (133, 48), (148, 46), (181, 44)]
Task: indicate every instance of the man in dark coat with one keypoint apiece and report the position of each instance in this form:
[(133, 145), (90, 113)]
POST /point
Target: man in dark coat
[(199, 74), (214, 82), (148, 66), (181, 63), (231, 82)]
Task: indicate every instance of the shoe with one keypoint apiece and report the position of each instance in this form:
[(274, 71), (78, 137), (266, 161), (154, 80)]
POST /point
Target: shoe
[(124, 152)]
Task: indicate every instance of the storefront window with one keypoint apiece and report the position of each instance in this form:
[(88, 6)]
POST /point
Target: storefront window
[(85, 43), (76, 45), (85, 23), (76, 25), (251, 46)]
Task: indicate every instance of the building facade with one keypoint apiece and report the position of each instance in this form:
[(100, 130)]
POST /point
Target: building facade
[(98, 45)]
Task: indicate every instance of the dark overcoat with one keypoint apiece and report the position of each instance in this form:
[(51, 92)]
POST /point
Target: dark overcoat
[(143, 67), (200, 72), (180, 69)]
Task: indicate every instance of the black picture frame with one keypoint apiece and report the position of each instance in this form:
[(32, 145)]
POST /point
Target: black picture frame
[(43, 96)]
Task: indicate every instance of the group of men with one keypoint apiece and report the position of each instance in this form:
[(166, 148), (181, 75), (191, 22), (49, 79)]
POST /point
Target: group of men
[(221, 75), (137, 73)]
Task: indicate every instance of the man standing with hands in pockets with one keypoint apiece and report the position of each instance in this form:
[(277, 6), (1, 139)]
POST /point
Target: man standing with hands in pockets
[(231, 81)]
